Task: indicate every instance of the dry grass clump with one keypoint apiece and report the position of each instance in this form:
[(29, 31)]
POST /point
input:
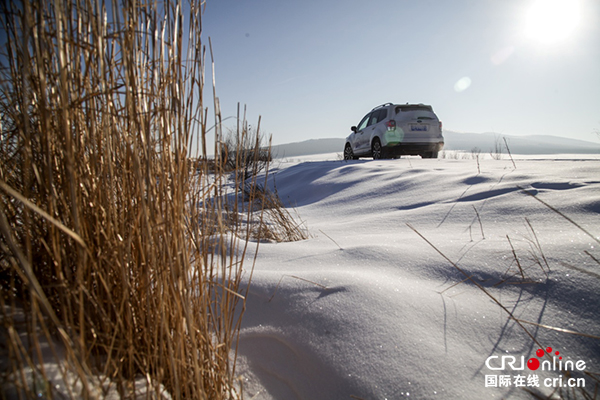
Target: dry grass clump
[(247, 157), (105, 242), (275, 223)]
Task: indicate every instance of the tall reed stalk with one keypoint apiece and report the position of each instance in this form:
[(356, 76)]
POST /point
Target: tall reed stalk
[(107, 228)]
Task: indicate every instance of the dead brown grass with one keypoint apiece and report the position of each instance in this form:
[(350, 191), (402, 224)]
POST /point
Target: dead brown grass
[(107, 237)]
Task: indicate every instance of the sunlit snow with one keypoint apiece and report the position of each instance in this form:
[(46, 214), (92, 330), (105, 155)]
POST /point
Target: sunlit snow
[(368, 309)]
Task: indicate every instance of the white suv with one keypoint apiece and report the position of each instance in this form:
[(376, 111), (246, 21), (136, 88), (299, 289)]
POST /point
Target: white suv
[(391, 130)]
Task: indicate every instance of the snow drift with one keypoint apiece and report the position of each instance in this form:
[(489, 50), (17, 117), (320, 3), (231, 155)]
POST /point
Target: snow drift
[(369, 308)]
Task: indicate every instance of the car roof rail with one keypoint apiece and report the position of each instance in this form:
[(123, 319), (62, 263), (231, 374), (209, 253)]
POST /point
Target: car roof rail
[(383, 105)]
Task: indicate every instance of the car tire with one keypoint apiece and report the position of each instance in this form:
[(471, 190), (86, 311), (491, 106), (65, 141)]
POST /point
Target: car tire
[(376, 150), (348, 153)]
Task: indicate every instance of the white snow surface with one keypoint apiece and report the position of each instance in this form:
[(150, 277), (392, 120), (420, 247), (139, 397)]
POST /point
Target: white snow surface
[(366, 308)]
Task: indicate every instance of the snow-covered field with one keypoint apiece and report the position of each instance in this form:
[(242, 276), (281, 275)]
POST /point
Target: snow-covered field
[(368, 309)]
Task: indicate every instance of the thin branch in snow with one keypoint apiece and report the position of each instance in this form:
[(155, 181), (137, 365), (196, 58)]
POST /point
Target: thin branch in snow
[(480, 224), (560, 213), (336, 243), (508, 150), (593, 258)]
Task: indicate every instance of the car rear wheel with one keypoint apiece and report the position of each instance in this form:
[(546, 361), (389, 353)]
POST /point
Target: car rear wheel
[(348, 153), (376, 149)]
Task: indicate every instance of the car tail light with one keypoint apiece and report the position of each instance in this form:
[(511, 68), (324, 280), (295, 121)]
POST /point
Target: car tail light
[(391, 125), (440, 126)]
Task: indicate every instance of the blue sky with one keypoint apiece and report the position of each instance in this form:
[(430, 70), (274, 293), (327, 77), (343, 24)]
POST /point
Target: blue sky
[(313, 68)]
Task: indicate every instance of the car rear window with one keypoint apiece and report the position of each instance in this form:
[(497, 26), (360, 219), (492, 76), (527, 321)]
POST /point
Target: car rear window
[(413, 107), (414, 112)]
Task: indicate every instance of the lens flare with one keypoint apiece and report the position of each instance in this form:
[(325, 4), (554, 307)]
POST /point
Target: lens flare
[(462, 84)]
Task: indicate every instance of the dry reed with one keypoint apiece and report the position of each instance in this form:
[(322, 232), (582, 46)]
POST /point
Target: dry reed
[(108, 229)]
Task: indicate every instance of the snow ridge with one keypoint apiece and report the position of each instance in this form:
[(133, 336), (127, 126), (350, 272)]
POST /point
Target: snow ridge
[(367, 308)]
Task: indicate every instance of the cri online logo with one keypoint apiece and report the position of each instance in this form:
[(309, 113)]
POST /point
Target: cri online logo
[(534, 363), (501, 363)]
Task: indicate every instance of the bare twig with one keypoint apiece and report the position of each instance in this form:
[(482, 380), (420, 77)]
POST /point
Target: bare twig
[(329, 237), (593, 258), (509, 154), (516, 258), (554, 328), (539, 247), (480, 224), (561, 214)]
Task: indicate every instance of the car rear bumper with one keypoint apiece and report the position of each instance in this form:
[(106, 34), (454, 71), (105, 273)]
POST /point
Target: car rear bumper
[(404, 149)]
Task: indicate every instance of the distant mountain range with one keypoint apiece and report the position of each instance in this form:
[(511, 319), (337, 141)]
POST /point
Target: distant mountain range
[(486, 142)]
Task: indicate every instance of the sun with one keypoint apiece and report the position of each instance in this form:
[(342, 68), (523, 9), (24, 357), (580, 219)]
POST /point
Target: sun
[(551, 21)]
